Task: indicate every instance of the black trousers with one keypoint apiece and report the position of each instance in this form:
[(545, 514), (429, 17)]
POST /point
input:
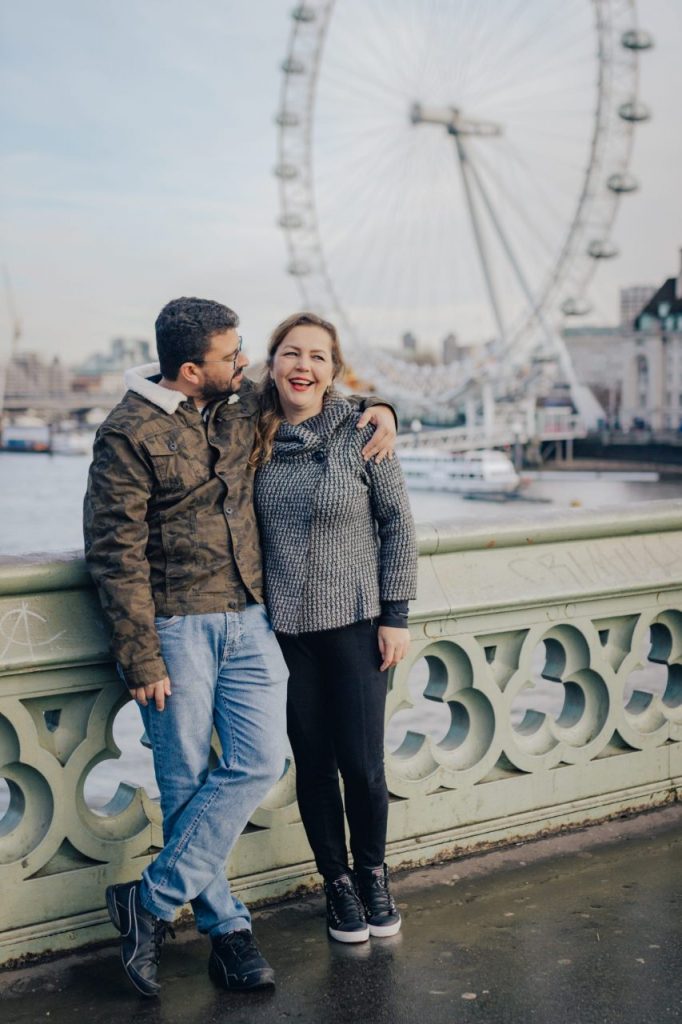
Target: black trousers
[(335, 718)]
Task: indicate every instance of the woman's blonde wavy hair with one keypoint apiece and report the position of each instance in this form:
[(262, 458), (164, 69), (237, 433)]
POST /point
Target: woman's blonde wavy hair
[(271, 415)]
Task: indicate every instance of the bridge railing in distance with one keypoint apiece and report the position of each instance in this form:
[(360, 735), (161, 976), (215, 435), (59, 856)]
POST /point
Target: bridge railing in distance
[(543, 690)]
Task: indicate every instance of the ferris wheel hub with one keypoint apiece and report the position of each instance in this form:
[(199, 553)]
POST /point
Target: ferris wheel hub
[(452, 119)]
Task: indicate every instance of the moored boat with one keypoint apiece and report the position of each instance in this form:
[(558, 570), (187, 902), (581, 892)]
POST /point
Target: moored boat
[(72, 442), (486, 471), (25, 434)]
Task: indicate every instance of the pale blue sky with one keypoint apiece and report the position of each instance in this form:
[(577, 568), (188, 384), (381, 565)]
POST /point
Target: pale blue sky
[(136, 164)]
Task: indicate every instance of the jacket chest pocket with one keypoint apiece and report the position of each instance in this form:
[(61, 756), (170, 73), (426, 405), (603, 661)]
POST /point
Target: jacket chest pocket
[(176, 465)]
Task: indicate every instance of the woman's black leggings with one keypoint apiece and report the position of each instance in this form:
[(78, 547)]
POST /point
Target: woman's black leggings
[(335, 717)]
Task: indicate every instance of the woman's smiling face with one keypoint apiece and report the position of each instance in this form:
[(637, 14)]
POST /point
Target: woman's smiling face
[(303, 369)]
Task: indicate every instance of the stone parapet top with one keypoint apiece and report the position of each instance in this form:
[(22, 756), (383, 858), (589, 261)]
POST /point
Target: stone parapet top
[(67, 570)]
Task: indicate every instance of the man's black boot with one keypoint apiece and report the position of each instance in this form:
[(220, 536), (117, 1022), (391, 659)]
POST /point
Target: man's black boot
[(237, 963), (142, 936)]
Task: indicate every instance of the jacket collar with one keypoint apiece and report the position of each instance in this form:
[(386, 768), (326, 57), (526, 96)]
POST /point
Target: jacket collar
[(143, 380)]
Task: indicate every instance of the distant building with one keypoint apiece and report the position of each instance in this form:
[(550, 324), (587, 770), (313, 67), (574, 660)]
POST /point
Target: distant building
[(409, 343), (450, 349), (606, 359), (632, 301), (652, 361), (28, 376), (103, 372)]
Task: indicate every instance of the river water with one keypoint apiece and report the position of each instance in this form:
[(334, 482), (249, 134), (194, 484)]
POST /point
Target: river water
[(41, 500), (40, 511)]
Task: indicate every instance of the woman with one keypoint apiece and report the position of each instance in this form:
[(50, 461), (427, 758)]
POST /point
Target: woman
[(337, 597)]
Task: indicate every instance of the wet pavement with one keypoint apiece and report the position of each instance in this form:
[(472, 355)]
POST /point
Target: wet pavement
[(585, 928)]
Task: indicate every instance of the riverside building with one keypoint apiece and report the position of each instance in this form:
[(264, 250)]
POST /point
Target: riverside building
[(635, 369)]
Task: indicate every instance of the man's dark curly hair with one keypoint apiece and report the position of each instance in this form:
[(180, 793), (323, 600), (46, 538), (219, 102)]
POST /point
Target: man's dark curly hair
[(184, 329)]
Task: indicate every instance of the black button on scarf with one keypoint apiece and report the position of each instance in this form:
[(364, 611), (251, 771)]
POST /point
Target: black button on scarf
[(173, 446), (319, 456)]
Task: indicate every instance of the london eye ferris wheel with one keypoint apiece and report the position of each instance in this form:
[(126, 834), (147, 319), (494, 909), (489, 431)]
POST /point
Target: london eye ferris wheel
[(454, 168)]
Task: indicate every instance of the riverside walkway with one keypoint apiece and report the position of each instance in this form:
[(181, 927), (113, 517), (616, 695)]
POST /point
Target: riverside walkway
[(579, 929)]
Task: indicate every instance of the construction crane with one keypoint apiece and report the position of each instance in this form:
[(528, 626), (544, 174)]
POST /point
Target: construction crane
[(13, 314)]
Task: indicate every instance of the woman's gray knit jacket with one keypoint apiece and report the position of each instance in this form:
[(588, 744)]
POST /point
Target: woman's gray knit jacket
[(320, 508)]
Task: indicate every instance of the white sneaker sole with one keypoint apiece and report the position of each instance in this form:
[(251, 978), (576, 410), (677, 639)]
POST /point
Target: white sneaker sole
[(360, 936), (383, 931)]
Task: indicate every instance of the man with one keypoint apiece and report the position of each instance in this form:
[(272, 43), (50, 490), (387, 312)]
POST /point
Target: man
[(172, 544)]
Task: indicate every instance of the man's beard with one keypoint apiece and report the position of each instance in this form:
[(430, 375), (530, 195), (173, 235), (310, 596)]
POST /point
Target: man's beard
[(210, 392)]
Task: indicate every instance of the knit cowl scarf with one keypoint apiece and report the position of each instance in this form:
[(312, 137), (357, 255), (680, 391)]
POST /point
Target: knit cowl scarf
[(300, 440)]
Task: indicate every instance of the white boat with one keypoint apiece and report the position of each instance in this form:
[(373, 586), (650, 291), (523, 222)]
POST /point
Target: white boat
[(477, 472), (25, 434), (72, 442)]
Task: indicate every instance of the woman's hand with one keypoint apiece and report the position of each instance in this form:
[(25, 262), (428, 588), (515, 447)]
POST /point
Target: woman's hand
[(394, 644), (382, 441)]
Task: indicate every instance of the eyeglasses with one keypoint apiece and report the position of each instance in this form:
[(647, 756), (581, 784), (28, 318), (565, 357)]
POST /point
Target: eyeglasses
[(226, 359)]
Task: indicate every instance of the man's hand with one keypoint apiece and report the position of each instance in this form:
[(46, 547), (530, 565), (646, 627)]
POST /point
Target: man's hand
[(382, 441), (394, 643), (156, 692)]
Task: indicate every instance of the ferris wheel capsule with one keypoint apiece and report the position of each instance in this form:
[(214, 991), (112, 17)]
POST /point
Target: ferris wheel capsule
[(287, 171), (576, 307), (297, 268), (602, 249), (622, 183), (291, 221), (304, 13), (637, 39), (287, 119), (292, 66), (634, 110)]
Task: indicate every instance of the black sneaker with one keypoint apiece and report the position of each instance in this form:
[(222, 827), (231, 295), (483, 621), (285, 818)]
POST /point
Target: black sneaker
[(383, 917), (237, 963), (345, 914), (142, 936)]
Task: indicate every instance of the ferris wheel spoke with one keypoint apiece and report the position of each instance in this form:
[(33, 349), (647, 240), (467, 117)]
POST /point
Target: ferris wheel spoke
[(371, 139), (383, 51), (510, 250), (343, 82), (508, 79), (516, 66), (523, 220), (361, 225), (366, 191), (525, 95), (363, 170), (385, 282), (538, 33), (540, 195)]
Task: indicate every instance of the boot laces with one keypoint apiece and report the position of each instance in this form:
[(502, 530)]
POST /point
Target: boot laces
[(161, 929), (345, 899), (241, 943), (378, 891)]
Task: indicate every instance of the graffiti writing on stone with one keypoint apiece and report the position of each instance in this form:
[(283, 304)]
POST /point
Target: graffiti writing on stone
[(23, 632), (589, 565)]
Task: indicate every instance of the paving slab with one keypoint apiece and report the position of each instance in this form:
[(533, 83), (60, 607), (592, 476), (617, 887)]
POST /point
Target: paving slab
[(585, 928)]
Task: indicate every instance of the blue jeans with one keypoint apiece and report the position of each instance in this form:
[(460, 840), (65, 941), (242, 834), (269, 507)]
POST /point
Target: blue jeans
[(226, 671)]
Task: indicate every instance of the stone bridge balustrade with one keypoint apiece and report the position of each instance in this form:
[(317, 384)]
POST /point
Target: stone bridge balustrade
[(543, 689)]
